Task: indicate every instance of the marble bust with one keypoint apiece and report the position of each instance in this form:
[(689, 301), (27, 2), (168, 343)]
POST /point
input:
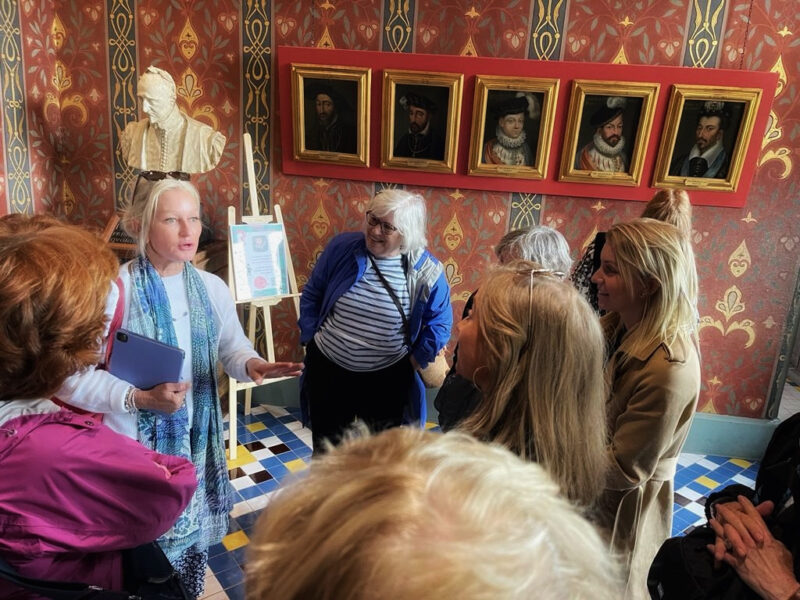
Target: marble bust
[(168, 139)]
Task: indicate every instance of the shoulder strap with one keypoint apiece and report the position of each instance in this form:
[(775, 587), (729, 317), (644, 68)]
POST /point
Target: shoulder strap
[(116, 320), (58, 590), (406, 328)]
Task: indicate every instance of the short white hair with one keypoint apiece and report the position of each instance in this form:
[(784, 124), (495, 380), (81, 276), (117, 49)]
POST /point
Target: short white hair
[(539, 244), (416, 514), (409, 216), (137, 216)]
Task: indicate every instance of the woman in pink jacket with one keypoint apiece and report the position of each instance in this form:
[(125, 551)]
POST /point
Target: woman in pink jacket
[(73, 494)]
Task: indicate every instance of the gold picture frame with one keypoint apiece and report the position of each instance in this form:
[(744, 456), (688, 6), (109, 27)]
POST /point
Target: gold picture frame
[(526, 151), (331, 114), (698, 149), (596, 143), (412, 121)]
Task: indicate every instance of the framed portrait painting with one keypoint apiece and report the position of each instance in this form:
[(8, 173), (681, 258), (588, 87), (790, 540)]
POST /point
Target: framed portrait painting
[(330, 114), (608, 127), (512, 126), (421, 111), (706, 135)]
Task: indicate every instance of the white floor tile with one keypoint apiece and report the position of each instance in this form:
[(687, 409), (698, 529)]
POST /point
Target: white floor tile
[(242, 482), (240, 508), (689, 493)]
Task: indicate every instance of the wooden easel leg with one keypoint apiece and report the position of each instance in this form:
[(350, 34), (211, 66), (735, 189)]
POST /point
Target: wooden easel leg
[(251, 333), (232, 394)]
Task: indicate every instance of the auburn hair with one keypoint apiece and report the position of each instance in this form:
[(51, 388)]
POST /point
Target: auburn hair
[(54, 279)]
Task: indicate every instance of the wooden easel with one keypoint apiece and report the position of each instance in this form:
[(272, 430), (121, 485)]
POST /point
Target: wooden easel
[(263, 304)]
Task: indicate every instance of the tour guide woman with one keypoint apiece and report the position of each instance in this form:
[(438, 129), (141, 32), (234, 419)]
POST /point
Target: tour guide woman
[(166, 298), (361, 353)]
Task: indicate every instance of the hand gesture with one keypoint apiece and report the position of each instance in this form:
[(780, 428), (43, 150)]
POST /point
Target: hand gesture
[(258, 369), (166, 398)]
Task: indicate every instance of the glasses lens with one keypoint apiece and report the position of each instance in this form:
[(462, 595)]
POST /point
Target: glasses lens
[(386, 228)]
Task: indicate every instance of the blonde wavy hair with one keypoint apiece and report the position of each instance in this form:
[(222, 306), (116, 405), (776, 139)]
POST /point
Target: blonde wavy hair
[(542, 349), (657, 257), (671, 206), (411, 514)]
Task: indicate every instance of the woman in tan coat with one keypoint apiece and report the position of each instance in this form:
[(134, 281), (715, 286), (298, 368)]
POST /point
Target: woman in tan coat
[(648, 285)]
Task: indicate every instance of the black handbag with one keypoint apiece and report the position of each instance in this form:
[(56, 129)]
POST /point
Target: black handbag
[(146, 571)]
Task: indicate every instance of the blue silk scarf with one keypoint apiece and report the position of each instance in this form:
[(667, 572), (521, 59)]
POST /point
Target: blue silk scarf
[(205, 519)]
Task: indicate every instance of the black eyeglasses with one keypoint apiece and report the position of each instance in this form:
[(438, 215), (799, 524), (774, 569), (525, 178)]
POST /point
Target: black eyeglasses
[(373, 221), (159, 175)]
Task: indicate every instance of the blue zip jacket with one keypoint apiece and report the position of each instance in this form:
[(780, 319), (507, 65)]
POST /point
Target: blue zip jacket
[(342, 264)]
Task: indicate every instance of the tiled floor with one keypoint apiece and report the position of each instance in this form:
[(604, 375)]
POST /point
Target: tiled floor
[(274, 444)]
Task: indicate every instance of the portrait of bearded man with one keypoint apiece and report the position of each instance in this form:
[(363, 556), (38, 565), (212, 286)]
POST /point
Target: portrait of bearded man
[(607, 150), (707, 157)]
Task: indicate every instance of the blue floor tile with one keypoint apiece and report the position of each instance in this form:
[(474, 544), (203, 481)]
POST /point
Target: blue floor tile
[(230, 577), (236, 592), (222, 562)]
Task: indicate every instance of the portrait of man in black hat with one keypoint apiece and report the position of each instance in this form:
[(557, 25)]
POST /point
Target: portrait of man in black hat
[(330, 122), (423, 137), (708, 157), (607, 149), (510, 128)]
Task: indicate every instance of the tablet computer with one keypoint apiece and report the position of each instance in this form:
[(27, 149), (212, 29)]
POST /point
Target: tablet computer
[(144, 362)]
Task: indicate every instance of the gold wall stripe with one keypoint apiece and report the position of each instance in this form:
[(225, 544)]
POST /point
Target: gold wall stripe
[(15, 124), (122, 79), (705, 31), (398, 29), (256, 92), (547, 26)]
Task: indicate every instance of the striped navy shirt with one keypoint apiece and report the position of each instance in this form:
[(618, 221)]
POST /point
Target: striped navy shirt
[(364, 330)]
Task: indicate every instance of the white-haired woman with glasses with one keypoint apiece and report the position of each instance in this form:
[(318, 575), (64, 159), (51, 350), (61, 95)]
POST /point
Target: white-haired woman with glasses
[(534, 348), (375, 310), (647, 284), (166, 298)]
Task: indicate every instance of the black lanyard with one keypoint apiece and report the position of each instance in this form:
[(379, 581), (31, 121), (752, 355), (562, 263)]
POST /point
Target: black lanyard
[(406, 328)]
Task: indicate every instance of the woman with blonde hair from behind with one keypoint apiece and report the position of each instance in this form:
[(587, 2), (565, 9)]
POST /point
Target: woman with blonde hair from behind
[(647, 283), (411, 514), (671, 206), (534, 348)]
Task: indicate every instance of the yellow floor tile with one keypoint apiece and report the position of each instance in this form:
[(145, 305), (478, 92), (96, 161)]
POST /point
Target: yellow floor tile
[(235, 540), (740, 462), (429, 425), (296, 465), (243, 457), (707, 481), (257, 426)]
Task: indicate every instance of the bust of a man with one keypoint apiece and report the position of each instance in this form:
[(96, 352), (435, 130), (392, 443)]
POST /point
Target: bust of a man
[(168, 139)]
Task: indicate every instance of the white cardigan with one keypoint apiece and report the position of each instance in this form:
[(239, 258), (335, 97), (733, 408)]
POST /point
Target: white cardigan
[(96, 390)]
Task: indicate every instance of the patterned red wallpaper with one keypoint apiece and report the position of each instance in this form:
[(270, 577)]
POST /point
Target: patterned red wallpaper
[(66, 90)]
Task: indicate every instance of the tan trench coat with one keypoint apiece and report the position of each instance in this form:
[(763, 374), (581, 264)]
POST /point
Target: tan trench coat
[(651, 405)]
